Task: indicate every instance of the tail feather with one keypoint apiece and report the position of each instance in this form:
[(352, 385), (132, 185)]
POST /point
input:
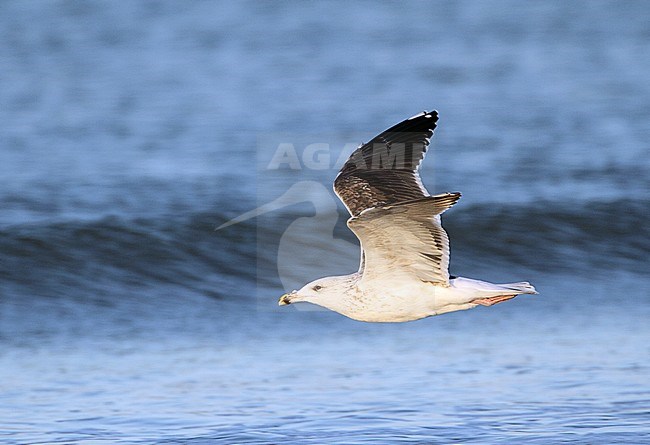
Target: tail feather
[(522, 287)]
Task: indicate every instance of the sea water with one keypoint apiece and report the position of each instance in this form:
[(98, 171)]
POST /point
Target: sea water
[(129, 131)]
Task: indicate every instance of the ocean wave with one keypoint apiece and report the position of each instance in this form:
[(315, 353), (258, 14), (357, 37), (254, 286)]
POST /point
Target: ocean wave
[(551, 236), (73, 257)]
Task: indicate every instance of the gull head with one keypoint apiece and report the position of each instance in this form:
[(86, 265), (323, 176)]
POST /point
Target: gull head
[(323, 292)]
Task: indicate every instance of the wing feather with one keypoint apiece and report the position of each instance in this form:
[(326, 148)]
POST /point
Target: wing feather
[(384, 171), (405, 239)]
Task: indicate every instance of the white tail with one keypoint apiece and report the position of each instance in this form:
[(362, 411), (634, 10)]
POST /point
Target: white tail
[(522, 287)]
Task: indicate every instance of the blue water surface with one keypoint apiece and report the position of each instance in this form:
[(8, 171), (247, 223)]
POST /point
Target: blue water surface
[(129, 131)]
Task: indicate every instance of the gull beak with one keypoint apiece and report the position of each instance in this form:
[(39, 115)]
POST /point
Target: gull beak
[(286, 298)]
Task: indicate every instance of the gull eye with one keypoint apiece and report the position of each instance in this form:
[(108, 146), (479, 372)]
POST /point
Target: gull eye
[(317, 287)]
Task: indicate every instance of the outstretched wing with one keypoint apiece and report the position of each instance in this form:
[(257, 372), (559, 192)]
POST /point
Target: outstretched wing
[(405, 240), (384, 171)]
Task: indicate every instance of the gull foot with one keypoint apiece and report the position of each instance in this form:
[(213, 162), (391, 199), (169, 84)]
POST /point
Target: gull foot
[(490, 301)]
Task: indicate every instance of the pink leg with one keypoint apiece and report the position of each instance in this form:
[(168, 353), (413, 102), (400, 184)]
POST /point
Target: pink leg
[(490, 301)]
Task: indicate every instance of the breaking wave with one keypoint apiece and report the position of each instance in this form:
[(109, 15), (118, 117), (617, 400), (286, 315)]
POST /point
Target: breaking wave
[(73, 257)]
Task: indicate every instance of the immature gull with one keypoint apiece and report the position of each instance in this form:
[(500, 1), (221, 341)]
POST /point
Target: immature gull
[(403, 274)]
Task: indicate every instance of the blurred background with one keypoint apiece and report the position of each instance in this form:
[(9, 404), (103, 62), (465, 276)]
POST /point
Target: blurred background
[(130, 130)]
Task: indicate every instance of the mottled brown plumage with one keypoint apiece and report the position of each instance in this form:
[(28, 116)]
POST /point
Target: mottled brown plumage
[(384, 171)]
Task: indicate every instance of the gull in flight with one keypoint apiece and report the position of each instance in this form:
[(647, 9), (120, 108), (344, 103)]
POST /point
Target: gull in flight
[(403, 273)]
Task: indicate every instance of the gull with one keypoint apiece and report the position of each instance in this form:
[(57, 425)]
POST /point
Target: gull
[(403, 273)]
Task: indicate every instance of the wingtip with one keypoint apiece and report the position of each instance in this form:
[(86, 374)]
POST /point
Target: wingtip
[(455, 196), (433, 114)]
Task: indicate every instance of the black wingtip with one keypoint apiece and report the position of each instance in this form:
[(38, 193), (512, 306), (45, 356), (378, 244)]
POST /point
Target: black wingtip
[(433, 114), (426, 120)]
